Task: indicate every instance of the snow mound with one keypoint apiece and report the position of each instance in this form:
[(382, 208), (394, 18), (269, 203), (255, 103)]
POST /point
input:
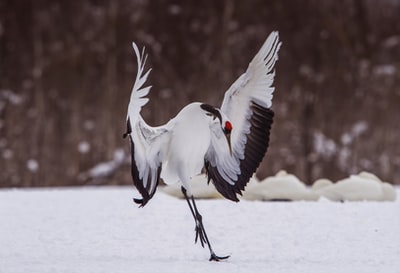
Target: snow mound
[(362, 187)]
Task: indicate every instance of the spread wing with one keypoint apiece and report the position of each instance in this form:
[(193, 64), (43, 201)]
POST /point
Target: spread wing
[(146, 141), (247, 105)]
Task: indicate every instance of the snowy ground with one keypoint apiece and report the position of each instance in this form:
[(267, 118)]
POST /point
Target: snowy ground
[(101, 230)]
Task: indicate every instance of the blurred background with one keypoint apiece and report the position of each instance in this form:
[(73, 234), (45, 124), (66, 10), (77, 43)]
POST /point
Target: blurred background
[(67, 69)]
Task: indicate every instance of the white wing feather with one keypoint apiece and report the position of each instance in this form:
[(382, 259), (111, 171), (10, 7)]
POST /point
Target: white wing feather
[(255, 85), (146, 141), (252, 87), (138, 100)]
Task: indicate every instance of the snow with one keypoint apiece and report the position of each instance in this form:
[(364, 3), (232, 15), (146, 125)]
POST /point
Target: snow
[(392, 41), (89, 125), (32, 165), (385, 70), (10, 96), (100, 229), (356, 130), (105, 169), (84, 147), (7, 154), (324, 146)]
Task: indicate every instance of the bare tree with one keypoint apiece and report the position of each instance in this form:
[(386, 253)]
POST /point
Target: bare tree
[(67, 68)]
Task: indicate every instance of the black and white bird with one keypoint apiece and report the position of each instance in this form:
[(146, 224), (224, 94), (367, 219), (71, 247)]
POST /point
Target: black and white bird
[(228, 142)]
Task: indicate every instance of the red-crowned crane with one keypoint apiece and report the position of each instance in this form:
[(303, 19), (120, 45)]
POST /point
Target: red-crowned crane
[(229, 142)]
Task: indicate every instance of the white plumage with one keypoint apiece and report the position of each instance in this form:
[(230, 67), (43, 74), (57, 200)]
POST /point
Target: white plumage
[(229, 142), (199, 187)]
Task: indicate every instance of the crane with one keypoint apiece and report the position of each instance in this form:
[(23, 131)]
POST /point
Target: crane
[(229, 142)]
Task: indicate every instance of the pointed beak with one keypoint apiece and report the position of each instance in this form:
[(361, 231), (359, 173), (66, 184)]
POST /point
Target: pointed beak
[(228, 138)]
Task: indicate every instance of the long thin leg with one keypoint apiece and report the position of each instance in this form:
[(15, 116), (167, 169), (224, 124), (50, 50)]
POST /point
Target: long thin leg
[(200, 230)]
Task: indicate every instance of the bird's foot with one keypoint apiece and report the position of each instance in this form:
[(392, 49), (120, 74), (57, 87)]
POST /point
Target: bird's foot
[(217, 258), (200, 234)]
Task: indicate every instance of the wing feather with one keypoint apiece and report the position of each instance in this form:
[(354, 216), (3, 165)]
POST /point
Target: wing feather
[(247, 104), (146, 141)]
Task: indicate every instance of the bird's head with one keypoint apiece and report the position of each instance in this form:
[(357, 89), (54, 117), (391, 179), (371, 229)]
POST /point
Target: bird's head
[(226, 125)]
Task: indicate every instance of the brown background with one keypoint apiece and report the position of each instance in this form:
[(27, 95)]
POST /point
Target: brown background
[(67, 69)]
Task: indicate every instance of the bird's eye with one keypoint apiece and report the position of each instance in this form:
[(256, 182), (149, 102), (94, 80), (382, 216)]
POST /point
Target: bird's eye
[(211, 115)]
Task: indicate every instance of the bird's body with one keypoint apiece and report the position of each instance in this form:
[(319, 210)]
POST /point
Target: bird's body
[(228, 142), (188, 142)]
